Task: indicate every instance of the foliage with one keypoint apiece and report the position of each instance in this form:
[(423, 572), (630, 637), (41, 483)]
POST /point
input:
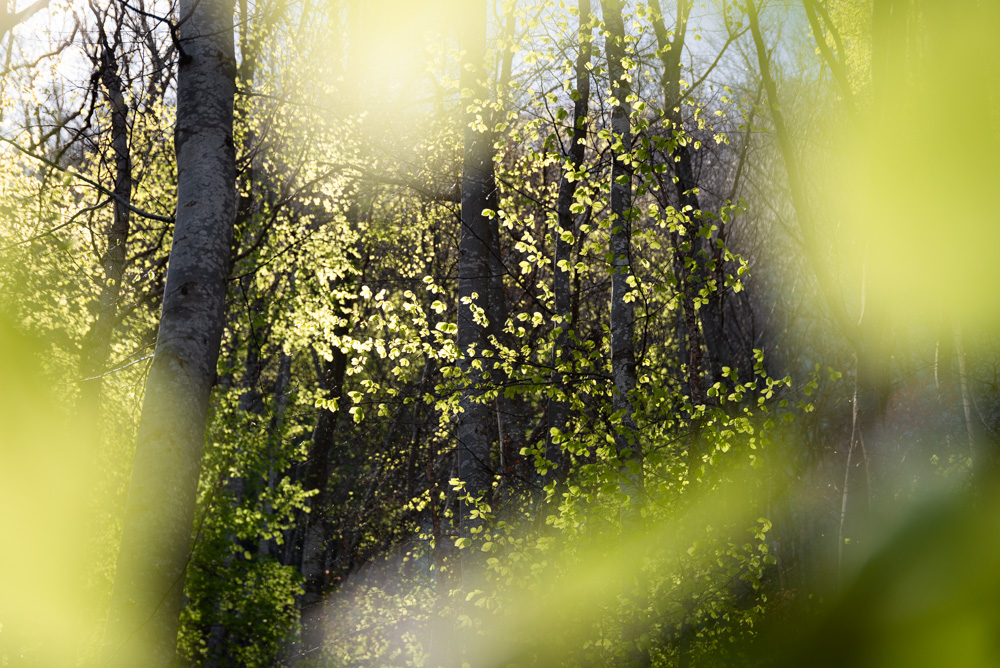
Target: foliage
[(333, 524)]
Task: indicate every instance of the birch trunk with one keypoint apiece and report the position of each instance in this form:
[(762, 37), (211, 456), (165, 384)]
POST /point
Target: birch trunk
[(623, 369), (156, 537)]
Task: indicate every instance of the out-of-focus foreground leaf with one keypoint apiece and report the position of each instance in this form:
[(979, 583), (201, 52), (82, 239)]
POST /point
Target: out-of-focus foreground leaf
[(46, 476)]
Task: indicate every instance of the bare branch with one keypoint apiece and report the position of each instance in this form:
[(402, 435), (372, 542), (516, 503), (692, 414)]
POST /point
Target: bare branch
[(95, 184), (10, 21), (55, 229)]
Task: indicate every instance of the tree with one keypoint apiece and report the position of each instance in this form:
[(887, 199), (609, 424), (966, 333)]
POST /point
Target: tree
[(566, 234), (10, 20), (98, 344), (623, 287), (703, 298), (622, 320), (475, 434), (148, 591), (476, 316)]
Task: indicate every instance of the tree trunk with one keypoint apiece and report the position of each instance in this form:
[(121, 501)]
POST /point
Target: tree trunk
[(622, 310), (506, 410), (558, 409), (623, 365), (475, 432), (156, 537), (98, 341), (220, 641), (318, 523), (705, 256)]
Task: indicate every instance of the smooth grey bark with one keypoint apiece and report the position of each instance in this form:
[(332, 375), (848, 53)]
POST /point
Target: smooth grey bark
[(475, 431), (558, 409), (156, 536), (623, 365), (220, 640), (477, 426)]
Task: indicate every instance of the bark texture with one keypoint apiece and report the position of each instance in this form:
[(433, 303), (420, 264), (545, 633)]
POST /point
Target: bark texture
[(623, 365), (156, 537)]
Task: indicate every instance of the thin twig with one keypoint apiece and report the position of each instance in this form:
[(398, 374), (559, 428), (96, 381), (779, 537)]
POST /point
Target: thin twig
[(58, 227), (118, 198)]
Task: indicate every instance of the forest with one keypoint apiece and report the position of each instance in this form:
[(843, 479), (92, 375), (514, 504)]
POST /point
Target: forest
[(499, 333)]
